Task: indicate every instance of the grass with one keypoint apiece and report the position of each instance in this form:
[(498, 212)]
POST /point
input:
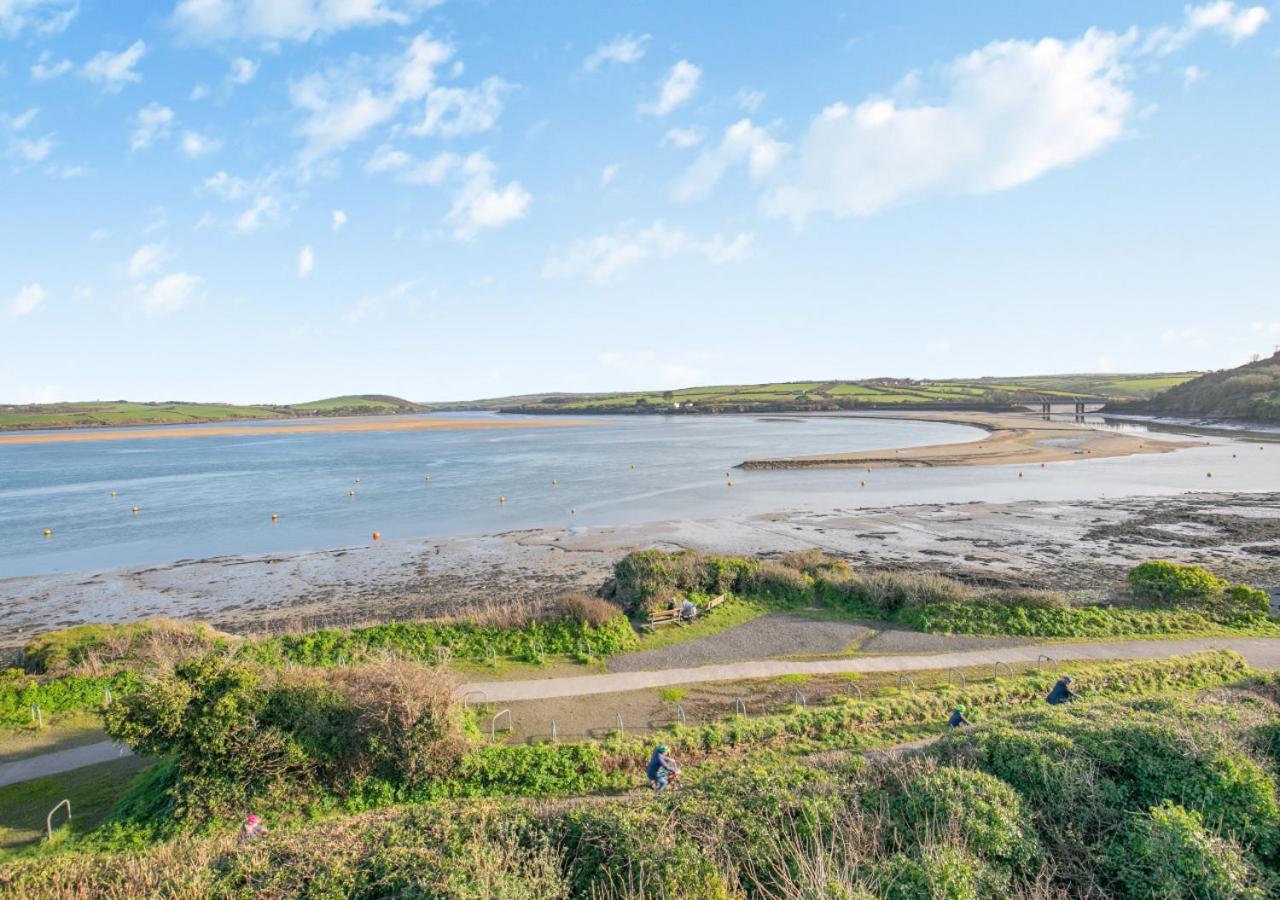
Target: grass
[(92, 790), (672, 694), (732, 612), (69, 730)]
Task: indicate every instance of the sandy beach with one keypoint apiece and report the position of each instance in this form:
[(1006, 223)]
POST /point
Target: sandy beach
[(361, 424), (1081, 545), (1012, 439)]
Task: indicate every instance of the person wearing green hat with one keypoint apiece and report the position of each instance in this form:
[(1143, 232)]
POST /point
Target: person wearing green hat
[(957, 717), (661, 768)]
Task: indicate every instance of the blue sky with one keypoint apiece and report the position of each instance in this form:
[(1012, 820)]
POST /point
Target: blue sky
[(279, 200)]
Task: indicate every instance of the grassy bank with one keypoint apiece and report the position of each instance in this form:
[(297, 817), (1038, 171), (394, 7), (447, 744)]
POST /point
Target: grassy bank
[(1161, 782)]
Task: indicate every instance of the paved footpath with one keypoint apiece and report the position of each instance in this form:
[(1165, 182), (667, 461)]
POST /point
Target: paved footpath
[(60, 761), (1262, 653)]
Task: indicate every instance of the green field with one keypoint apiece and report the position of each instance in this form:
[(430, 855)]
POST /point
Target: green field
[(122, 412), (867, 393)]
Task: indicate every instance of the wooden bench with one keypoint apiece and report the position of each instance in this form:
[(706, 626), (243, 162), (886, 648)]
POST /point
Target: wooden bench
[(676, 616)]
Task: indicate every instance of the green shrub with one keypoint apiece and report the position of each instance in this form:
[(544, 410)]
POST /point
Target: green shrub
[(993, 618), (147, 642), (1165, 582), (1167, 853), (649, 579), (70, 693), (780, 584), (978, 810), (938, 873), (886, 593)]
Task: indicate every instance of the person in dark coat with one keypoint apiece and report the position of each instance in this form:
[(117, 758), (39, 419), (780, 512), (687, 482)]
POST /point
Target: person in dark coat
[(1062, 692), (660, 769), (957, 717)]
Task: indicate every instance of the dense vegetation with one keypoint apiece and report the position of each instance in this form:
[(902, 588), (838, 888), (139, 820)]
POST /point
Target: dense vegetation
[(867, 393), (1161, 782), (1165, 598), (123, 412), (1251, 391)]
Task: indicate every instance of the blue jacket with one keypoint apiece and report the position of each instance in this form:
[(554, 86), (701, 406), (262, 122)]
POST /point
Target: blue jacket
[(1061, 693), (658, 762), (958, 719)]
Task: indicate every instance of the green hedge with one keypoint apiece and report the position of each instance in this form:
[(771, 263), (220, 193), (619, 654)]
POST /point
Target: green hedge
[(72, 693), (978, 617)]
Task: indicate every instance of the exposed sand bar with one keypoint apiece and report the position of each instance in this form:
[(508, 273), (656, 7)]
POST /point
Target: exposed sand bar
[(1012, 439), (391, 423)]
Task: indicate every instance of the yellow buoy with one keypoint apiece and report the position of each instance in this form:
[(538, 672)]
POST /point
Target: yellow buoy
[(502, 499), (48, 532), (553, 482), (351, 493), (275, 517), (133, 509), (113, 493), (730, 484)]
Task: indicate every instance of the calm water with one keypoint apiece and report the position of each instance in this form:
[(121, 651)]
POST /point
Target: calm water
[(203, 497)]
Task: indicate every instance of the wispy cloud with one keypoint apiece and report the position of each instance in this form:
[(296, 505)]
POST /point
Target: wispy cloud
[(605, 258), (27, 300), (624, 49), (676, 89), (112, 71)]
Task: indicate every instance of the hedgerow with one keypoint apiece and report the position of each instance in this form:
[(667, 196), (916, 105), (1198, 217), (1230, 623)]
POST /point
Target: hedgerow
[(19, 693)]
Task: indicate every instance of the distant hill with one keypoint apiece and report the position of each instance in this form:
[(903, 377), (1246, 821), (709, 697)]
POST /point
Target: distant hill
[(123, 412), (1251, 391), (873, 393)]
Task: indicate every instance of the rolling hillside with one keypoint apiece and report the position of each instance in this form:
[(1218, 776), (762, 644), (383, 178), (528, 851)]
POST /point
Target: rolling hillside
[(121, 412), (1251, 391)]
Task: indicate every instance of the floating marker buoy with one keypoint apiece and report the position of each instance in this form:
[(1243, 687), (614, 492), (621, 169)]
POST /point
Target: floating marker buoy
[(864, 484), (357, 481), (275, 517), (113, 493), (377, 535), (633, 465), (1233, 456), (1019, 474), (573, 512), (1042, 465), (48, 532), (428, 478), (1208, 474), (502, 499), (133, 509), (553, 482), (730, 484), (351, 493)]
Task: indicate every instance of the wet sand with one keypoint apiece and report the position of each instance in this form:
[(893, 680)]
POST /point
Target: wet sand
[(368, 423), (1082, 546), (1012, 439)]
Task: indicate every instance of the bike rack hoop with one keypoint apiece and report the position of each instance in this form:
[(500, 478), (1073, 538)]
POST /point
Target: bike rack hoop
[(995, 670), (903, 676), (48, 820), (493, 723), (1047, 658), (963, 681)]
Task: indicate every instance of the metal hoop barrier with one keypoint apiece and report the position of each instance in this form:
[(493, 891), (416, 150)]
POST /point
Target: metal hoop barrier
[(555, 734), (48, 820), (491, 655), (908, 679), (995, 670), (801, 699), (493, 723), (963, 681), (37, 715), (854, 686), (537, 650), (740, 707), (476, 693), (584, 648), (106, 696), (680, 715), (618, 718), (1047, 658)]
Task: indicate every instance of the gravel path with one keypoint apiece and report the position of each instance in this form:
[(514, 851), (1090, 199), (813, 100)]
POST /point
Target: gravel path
[(1261, 652), (775, 634)]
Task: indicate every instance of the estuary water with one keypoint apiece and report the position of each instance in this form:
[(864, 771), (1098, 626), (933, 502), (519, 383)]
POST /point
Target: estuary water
[(214, 496)]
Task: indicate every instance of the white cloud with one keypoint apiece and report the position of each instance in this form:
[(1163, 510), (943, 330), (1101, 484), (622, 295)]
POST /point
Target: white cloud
[(676, 90), (153, 122), (1003, 115), (266, 200), (1190, 75), (625, 48), (453, 112), (404, 296), (195, 144), (20, 121), (168, 294), (242, 70), (27, 300), (748, 99), (41, 17), (306, 261), (31, 151), (606, 257), (741, 141), (112, 71), (227, 187), (480, 204), (1221, 17), (293, 20), (146, 261), (609, 173), (685, 137), (265, 208), (338, 219), (199, 92), (45, 69)]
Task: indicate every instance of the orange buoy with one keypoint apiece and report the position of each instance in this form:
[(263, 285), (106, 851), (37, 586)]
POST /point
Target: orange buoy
[(48, 532), (377, 535)]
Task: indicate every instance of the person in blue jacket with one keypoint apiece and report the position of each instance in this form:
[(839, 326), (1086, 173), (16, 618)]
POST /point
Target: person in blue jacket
[(1062, 692), (957, 717), (661, 767)]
